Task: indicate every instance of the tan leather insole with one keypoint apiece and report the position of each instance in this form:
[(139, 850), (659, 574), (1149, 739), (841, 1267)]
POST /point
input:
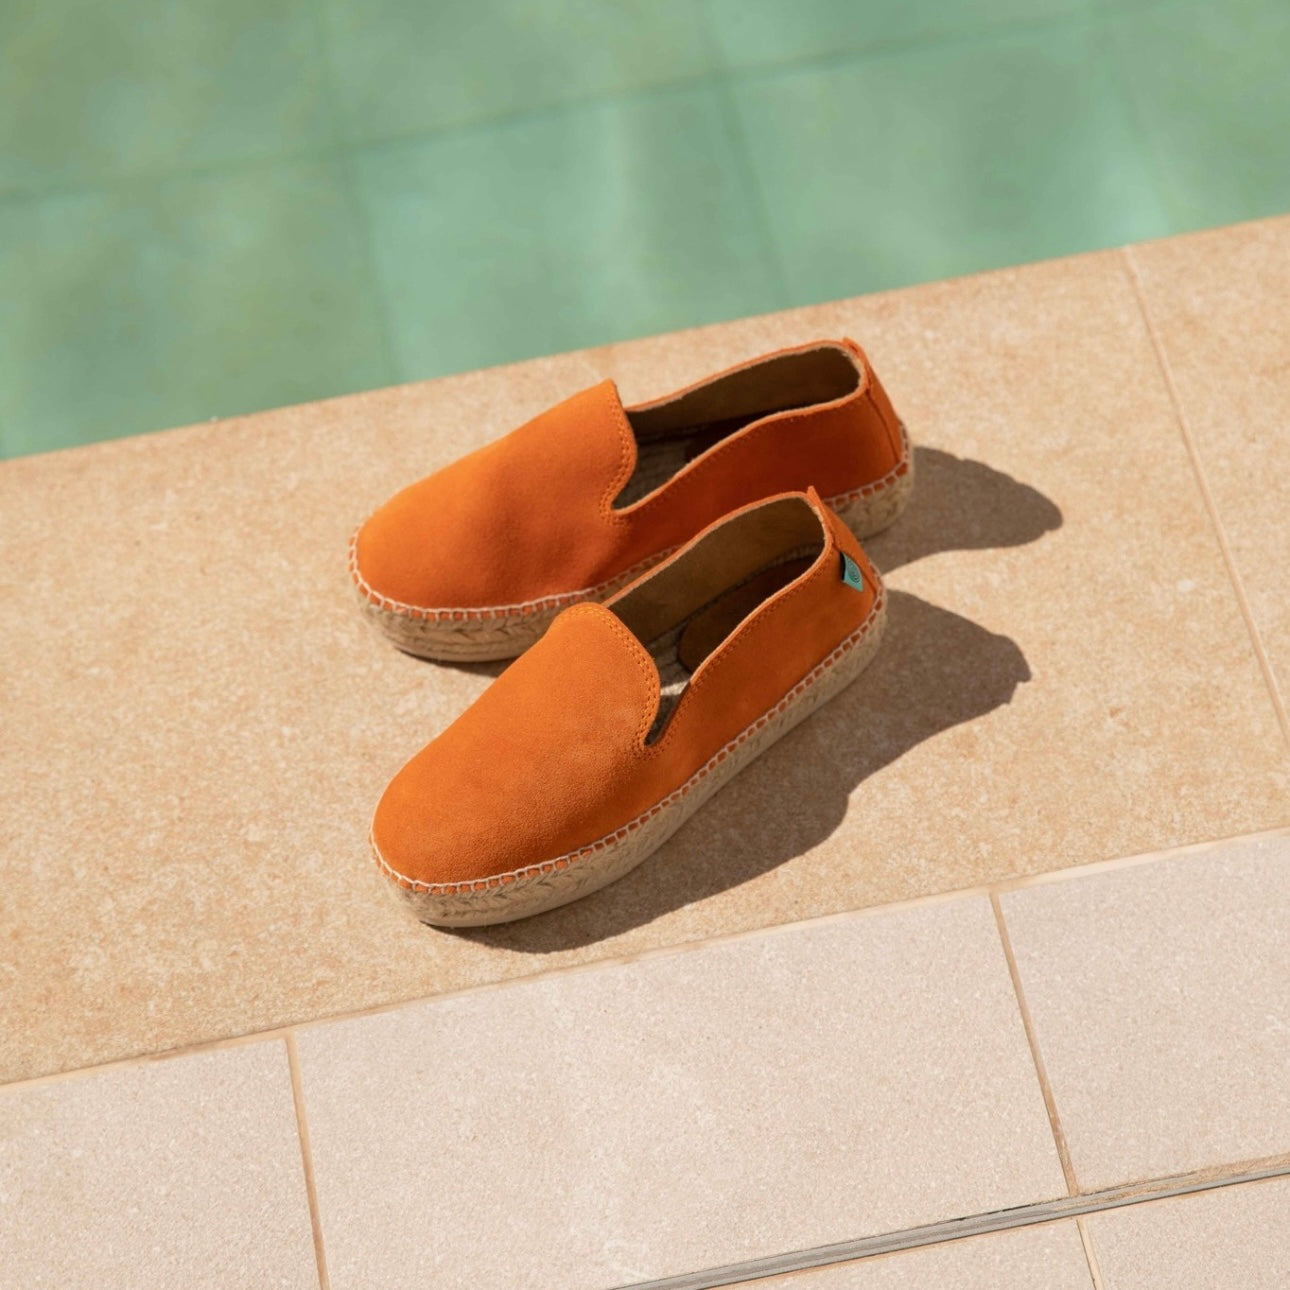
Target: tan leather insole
[(679, 651)]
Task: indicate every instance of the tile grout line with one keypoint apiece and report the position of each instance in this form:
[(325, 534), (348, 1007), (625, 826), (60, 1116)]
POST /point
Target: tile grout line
[(951, 40), (347, 163), (1113, 864), (99, 181), (1162, 359), (1001, 887), (1032, 1215), (724, 88), (1041, 1071), (1086, 1240), (306, 1158), (1147, 154)]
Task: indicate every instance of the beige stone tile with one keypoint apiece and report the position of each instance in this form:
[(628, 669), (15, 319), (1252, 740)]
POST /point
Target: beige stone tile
[(1158, 994), (1228, 1237), (1044, 626), (1218, 302), (1049, 1256), (183, 1172), (197, 724), (725, 1102)]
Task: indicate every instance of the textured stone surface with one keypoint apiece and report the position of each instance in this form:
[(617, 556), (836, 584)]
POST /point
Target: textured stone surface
[(725, 1102), (1159, 999), (197, 724), (1218, 301), (184, 1172), (1232, 1236)]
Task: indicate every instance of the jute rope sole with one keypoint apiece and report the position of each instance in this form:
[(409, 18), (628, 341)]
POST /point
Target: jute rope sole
[(507, 897), (483, 635)]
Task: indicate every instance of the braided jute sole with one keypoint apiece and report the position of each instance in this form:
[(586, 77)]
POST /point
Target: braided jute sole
[(505, 631), (522, 892)]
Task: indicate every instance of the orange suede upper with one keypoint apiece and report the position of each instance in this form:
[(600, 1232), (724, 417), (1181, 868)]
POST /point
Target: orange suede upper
[(554, 755), (531, 516)]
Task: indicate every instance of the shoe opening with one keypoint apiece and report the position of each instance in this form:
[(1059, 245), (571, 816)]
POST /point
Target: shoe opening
[(673, 432), (686, 610)]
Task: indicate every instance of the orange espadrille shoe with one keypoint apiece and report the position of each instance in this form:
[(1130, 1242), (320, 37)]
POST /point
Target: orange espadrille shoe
[(586, 754), (474, 562)]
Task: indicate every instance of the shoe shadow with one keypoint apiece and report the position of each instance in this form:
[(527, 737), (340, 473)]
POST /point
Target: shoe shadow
[(935, 670), (961, 505)]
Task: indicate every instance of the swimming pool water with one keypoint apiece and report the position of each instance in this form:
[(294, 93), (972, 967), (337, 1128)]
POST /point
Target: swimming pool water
[(210, 207)]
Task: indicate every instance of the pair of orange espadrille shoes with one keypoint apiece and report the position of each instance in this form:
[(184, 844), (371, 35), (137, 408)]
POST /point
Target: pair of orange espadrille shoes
[(684, 583)]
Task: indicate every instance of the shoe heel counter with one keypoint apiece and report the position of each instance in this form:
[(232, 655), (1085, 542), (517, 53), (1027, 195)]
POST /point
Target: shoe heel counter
[(846, 543), (877, 405)]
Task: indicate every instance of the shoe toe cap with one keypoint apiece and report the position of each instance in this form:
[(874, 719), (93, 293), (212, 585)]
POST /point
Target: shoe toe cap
[(398, 554)]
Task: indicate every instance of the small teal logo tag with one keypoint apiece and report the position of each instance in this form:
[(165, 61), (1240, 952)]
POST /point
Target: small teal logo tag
[(851, 572)]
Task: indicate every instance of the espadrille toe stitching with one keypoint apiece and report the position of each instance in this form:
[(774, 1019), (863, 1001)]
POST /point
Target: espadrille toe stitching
[(588, 752), (476, 561)]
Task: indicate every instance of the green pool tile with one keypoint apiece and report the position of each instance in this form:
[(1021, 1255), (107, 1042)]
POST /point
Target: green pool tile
[(92, 91), (134, 309), (889, 170), (404, 66), (585, 226), (1210, 91), (760, 33)]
